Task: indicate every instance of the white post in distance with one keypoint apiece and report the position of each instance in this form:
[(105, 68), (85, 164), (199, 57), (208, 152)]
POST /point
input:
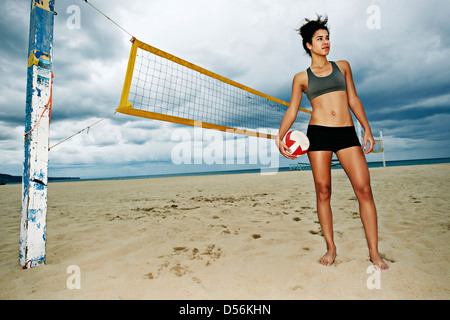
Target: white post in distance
[(382, 148)]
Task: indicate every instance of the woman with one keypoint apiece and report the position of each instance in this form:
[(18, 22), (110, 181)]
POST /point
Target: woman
[(329, 87)]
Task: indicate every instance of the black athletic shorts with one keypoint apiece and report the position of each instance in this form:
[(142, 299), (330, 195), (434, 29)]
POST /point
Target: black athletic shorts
[(323, 138)]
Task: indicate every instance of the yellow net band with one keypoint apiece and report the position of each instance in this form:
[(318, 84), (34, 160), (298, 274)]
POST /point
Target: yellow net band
[(193, 123), (378, 147)]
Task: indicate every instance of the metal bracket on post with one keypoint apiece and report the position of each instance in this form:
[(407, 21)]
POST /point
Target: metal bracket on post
[(37, 126)]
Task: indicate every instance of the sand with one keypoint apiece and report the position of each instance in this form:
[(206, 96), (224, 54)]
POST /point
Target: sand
[(245, 236)]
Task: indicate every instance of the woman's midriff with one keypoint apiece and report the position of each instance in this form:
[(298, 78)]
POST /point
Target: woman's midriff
[(331, 110)]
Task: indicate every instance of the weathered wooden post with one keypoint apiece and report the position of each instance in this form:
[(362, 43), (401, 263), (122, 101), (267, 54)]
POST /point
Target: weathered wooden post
[(37, 125)]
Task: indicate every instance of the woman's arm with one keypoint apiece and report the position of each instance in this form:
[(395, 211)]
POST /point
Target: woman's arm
[(290, 115), (357, 107)]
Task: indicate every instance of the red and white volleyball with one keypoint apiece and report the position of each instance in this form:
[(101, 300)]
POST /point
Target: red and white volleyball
[(298, 142)]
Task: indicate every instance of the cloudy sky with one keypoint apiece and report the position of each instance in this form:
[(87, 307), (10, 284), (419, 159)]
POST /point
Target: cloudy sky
[(399, 52)]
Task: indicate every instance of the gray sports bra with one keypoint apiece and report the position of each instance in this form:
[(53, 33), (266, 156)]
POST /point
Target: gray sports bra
[(321, 85)]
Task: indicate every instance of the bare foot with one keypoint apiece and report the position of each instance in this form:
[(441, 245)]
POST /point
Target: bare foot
[(378, 261), (328, 258)]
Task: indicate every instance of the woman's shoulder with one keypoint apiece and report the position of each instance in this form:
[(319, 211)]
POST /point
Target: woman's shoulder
[(301, 80), (342, 64), (301, 76)]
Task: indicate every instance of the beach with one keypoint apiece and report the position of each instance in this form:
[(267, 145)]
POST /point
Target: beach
[(229, 237)]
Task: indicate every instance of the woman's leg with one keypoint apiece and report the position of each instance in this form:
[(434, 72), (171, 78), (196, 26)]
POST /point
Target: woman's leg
[(321, 168), (355, 165)]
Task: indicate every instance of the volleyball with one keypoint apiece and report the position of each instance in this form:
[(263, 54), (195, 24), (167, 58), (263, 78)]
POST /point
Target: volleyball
[(298, 142)]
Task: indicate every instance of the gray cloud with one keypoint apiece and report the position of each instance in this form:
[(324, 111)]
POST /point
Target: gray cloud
[(400, 71)]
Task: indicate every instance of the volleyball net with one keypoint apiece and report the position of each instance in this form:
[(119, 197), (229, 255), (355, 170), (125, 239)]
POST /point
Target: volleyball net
[(378, 147), (161, 86)]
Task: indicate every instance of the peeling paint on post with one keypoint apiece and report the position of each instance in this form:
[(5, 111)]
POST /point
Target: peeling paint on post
[(37, 125)]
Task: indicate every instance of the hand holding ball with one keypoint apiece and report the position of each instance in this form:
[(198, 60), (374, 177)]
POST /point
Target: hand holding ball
[(298, 142)]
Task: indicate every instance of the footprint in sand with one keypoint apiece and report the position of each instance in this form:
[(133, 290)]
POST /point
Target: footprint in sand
[(319, 232), (177, 262)]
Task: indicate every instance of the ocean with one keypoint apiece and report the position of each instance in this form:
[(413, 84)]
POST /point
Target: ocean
[(282, 169), (305, 166)]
